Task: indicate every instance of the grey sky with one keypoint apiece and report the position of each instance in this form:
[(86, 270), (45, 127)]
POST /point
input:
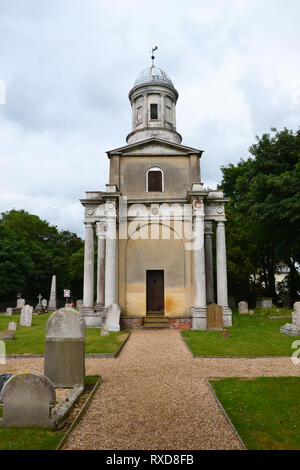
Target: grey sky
[(68, 66)]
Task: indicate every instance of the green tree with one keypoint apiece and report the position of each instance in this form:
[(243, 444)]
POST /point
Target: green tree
[(264, 213), (31, 251)]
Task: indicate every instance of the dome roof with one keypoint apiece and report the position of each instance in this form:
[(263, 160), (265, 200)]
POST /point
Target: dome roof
[(152, 75)]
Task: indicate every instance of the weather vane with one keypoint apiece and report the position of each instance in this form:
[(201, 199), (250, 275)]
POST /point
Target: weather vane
[(152, 54)]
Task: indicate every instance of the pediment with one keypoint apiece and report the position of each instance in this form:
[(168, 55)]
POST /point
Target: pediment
[(153, 146)]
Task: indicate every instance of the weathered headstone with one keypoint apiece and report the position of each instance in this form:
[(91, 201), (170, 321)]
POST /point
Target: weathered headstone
[(251, 312), (112, 321), (79, 303), (65, 348), (27, 399), (9, 311), (214, 317), (52, 301), (264, 303), (12, 326), (20, 303), (7, 335), (26, 316), (243, 307), (293, 329), (44, 304)]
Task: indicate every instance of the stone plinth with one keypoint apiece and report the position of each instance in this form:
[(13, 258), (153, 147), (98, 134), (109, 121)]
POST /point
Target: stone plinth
[(65, 348), (27, 399)]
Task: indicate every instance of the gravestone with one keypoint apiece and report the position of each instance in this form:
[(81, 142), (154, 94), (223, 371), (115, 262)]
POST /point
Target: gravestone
[(214, 317), (44, 304), (293, 329), (27, 399), (7, 335), (52, 301), (20, 303), (12, 326), (243, 307), (112, 321), (264, 303), (79, 303), (9, 311), (65, 348), (26, 316)]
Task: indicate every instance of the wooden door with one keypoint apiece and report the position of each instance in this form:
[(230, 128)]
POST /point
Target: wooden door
[(155, 291)]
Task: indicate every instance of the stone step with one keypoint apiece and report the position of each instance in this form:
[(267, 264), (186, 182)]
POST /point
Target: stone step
[(156, 319), (156, 325)]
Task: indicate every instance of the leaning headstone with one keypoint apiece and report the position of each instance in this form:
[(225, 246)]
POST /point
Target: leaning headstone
[(9, 311), (52, 301), (27, 399), (7, 335), (12, 326), (65, 348), (243, 307), (112, 322), (293, 329), (26, 316)]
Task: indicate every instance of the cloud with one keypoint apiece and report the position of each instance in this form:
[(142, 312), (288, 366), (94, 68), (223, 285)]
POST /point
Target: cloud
[(68, 66)]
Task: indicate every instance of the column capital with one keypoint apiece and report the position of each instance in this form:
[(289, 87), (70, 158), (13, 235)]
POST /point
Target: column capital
[(101, 229)]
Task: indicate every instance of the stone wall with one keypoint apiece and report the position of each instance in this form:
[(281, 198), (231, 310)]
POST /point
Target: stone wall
[(129, 323), (180, 323)]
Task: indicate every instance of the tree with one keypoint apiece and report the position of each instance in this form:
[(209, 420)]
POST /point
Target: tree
[(31, 251), (265, 203)]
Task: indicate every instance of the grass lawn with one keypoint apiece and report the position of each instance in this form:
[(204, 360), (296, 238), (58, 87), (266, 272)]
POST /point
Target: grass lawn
[(35, 438), (30, 340), (265, 411), (249, 336)]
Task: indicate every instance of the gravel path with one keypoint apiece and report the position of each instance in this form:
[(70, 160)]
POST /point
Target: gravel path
[(154, 396)]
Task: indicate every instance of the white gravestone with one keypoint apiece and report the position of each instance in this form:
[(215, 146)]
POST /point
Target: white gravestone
[(26, 316), (9, 311), (12, 325), (44, 303), (112, 321), (27, 400), (243, 307), (296, 315)]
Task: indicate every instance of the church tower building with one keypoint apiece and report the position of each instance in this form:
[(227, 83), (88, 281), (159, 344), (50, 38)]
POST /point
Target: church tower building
[(154, 224)]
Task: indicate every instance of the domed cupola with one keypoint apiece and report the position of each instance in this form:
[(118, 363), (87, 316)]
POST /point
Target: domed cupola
[(153, 100)]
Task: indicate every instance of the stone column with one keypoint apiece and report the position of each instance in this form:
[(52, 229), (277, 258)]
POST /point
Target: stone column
[(222, 291), (111, 255), (209, 263), (100, 269), (199, 308), (88, 279)]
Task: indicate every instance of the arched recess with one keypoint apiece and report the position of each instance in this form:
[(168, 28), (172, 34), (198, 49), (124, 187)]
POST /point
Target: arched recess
[(144, 254)]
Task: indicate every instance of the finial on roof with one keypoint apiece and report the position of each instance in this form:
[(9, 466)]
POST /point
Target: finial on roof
[(152, 54)]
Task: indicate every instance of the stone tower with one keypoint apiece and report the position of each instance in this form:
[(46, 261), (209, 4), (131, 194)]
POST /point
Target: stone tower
[(154, 223)]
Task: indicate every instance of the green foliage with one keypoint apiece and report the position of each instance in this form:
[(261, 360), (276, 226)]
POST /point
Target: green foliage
[(265, 411), (249, 336), (31, 251), (264, 216)]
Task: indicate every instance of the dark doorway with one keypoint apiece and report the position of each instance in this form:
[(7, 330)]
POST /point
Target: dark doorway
[(155, 181), (155, 291)]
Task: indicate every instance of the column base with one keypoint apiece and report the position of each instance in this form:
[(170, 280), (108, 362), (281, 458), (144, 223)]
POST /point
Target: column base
[(92, 319), (198, 318), (101, 311), (227, 316)]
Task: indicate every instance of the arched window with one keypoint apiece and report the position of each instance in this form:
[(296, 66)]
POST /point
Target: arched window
[(155, 180)]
